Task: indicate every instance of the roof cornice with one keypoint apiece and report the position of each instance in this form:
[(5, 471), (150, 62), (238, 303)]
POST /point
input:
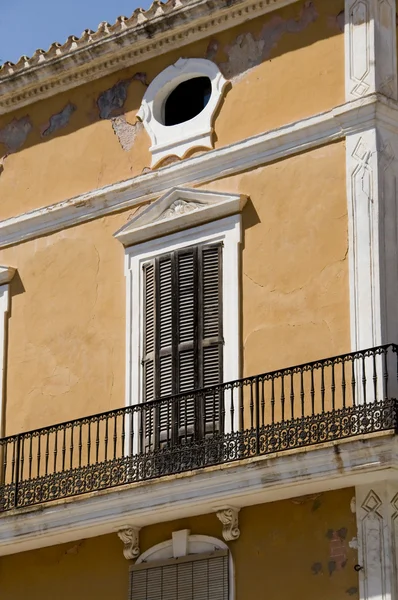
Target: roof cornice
[(163, 27)]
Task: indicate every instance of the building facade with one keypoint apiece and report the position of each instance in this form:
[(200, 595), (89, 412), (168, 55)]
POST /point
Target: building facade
[(199, 249)]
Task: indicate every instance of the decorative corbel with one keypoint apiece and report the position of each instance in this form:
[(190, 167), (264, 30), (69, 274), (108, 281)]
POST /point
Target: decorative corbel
[(131, 540), (229, 519)]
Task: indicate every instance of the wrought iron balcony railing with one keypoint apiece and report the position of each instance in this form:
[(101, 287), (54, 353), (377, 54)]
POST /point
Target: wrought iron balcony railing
[(313, 403)]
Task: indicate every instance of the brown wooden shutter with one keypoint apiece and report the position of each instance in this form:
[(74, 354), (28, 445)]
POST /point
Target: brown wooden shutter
[(183, 340), (195, 577), (211, 334), (187, 310)]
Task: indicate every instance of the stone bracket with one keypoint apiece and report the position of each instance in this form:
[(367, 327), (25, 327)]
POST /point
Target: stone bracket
[(230, 521), (131, 540)]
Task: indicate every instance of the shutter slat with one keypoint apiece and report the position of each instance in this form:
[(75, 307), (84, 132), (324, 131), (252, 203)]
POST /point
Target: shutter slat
[(211, 291), (166, 303), (186, 298), (212, 335)]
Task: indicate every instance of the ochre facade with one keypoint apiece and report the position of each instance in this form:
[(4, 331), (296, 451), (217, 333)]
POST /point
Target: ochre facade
[(301, 74), (68, 325), (66, 339), (297, 547)]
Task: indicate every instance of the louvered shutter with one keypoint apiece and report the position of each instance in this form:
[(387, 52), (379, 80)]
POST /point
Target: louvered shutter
[(183, 342), (199, 577), (211, 335), (165, 344), (187, 371), (149, 352)]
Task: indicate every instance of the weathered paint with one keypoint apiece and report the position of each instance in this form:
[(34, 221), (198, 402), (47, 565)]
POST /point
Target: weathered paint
[(67, 327), (14, 135), (301, 73), (59, 121), (273, 557)]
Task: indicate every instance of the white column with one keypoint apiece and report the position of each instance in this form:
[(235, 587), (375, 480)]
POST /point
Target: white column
[(377, 522), (370, 57), (372, 170)]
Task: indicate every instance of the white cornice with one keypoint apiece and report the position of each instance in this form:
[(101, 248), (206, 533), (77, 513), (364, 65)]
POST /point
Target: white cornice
[(162, 28), (246, 483), (253, 152)]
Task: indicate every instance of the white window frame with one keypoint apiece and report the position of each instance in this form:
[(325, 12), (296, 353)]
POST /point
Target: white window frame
[(228, 232), (197, 132), (185, 544)]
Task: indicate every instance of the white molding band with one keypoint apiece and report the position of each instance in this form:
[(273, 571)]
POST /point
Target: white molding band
[(376, 508), (253, 152), (197, 132)]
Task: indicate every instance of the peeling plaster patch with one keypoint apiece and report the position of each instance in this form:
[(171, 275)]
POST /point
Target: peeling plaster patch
[(352, 591), (212, 49), (74, 549), (14, 135), (141, 76), (248, 51), (2, 161), (112, 101), (340, 20), (353, 543), (316, 568), (338, 549), (59, 120), (353, 505), (125, 132), (308, 498)]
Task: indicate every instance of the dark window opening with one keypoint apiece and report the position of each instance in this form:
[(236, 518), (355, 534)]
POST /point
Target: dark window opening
[(187, 100)]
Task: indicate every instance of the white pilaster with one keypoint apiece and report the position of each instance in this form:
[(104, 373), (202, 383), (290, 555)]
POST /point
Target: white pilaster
[(377, 513), (370, 58), (372, 170)]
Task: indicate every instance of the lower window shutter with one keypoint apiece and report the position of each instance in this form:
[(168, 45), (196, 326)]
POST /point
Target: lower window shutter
[(196, 577)]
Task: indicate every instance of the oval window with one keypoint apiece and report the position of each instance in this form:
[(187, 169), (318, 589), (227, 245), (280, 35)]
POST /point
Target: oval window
[(187, 100)]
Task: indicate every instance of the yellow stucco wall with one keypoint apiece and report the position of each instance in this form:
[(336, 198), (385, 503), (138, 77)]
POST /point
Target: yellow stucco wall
[(285, 549), (302, 73), (66, 349)]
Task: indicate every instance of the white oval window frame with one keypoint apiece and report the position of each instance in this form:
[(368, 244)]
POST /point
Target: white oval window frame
[(197, 132)]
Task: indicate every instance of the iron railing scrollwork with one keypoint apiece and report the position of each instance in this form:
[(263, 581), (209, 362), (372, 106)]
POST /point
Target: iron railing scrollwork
[(317, 402)]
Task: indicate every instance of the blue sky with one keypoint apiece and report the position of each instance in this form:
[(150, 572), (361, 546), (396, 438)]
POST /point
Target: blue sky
[(26, 25)]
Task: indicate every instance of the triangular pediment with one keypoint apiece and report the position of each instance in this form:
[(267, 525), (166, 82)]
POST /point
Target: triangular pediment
[(178, 209)]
